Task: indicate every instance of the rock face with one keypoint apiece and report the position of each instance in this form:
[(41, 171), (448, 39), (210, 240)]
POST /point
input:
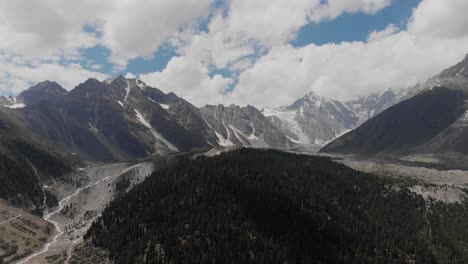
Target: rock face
[(243, 126), (433, 122), (43, 91), (124, 119), (317, 120), (403, 126), (118, 119), (313, 119)]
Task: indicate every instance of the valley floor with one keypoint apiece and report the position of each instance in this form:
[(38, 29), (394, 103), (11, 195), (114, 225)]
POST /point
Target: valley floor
[(81, 197), (448, 186), (21, 232), (84, 194)]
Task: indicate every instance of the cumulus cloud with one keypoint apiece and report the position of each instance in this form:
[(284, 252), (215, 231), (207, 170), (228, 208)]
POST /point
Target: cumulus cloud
[(128, 28), (15, 78), (235, 40), (132, 29), (378, 35), (440, 19), (333, 8), (343, 71), (191, 79), (247, 41), (38, 36), (390, 58), (45, 30)]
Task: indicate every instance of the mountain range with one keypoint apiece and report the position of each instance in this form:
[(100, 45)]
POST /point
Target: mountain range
[(316, 120), (126, 119), (431, 126)]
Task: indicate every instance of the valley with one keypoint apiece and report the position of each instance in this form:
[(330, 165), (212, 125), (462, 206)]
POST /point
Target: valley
[(234, 131), (82, 195), (21, 232), (447, 186), (85, 158)]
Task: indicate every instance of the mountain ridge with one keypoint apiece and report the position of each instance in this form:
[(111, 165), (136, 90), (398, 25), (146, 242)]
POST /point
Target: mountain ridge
[(428, 127)]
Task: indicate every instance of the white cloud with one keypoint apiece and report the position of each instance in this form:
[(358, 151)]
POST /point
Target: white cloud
[(43, 35), (41, 40), (44, 29), (138, 28), (344, 70), (191, 79), (440, 19), (15, 78), (378, 35), (388, 58), (250, 29), (334, 8)]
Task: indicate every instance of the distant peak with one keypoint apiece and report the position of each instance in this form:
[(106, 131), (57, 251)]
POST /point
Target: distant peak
[(91, 81), (310, 94), (120, 77), (45, 90), (46, 86)]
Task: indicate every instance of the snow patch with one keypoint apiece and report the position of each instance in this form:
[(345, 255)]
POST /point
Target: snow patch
[(164, 106), (288, 117), (225, 142), (252, 136), (156, 135), (127, 89), (461, 71), (92, 128), (16, 106), (239, 135), (120, 103), (222, 141)]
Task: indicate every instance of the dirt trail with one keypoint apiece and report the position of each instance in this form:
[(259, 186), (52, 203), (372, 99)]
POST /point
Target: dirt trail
[(11, 219)]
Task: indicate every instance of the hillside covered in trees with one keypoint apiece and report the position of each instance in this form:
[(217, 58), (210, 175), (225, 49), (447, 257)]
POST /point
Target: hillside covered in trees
[(26, 162), (259, 206)]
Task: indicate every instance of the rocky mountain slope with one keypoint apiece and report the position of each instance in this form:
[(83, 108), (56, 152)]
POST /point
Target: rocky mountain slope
[(26, 162), (317, 120), (116, 119), (243, 126), (432, 124), (125, 119), (43, 91)]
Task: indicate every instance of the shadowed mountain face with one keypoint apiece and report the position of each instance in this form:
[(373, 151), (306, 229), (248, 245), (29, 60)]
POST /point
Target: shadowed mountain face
[(404, 126), (125, 119), (118, 119), (25, 162), (434, 122), (44, 91)]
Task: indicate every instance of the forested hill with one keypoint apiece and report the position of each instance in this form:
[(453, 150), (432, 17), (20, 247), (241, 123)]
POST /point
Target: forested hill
[(26, 162), (259, 206)]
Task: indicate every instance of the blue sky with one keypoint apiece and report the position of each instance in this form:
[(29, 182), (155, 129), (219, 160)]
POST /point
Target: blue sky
[(355, 27)]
